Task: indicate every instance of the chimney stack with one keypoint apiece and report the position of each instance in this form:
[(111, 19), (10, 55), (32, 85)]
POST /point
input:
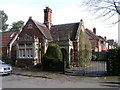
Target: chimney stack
[(48, 17), (105, 38), (94, 30)]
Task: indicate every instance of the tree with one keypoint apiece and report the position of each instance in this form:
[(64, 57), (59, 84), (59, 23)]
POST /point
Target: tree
[(3, 19), (84, 48), (106, 8), (16, 26)]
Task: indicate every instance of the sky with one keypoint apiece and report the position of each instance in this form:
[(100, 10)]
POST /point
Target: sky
[(63, 11)]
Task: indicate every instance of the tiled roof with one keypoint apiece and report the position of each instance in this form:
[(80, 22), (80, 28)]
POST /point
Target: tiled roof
[(101, 38), (68, 31), (64, 31), (44, 30), (7, 37), (91, 35)]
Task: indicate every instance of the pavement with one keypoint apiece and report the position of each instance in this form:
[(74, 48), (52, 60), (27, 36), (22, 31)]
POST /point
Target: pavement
[(110, 81), (32, 72)]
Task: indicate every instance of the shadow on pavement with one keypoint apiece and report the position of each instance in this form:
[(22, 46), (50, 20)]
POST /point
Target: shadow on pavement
[(111, 84)]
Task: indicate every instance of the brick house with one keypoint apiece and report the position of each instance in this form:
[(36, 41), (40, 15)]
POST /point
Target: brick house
[(31, 42), (98, 43)]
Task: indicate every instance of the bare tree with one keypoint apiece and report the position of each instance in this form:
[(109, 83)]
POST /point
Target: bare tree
[(106, 8)]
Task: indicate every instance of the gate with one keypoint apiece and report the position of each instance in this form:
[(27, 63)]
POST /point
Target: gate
[(97, 68)]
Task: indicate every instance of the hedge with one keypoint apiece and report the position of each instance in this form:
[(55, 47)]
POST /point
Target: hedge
[(52, 60), (113, 62)]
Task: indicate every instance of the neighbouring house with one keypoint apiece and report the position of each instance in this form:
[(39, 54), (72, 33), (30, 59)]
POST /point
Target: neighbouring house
[(98, 42), (31, 42), (111, 44), (6, 39)]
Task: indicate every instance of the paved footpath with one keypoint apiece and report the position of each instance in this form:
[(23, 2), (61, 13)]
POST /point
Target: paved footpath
[(34, 79)]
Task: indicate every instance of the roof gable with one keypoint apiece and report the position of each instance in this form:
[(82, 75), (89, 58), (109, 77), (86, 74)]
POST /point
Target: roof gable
[(91, 35), (41, 28)]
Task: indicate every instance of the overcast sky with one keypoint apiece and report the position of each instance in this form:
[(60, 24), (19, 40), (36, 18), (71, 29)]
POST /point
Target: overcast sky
[(64, 11)]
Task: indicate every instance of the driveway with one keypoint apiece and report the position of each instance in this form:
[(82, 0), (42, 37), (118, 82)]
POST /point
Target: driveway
[(97, 68)]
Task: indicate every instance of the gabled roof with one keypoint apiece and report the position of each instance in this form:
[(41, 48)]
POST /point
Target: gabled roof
[(91, 35), (101, 38), (44, 30), (69, 31), (64, 31), (7, 37)]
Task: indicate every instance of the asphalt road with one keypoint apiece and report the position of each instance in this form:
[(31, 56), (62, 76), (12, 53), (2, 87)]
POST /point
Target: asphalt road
[(18, 81)]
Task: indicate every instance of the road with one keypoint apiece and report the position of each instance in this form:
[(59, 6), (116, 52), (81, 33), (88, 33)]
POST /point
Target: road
[(19, 81)]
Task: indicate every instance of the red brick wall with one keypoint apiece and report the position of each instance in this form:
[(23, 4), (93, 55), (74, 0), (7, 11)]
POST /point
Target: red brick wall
[(25, 61), (34, 32)]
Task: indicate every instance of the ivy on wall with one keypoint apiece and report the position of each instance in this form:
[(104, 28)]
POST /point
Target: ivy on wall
[(84, 49)]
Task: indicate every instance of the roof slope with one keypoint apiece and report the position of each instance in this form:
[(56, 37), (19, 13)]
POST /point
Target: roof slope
[(43, 29), (7, 37), (69, 31), (91, 35), (64, 31)]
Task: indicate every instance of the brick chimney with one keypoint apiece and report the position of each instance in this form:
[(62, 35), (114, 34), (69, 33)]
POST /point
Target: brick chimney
[(48, 17), (94, 30)]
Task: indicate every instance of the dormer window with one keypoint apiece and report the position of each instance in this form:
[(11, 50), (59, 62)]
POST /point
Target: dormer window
[(30, 26)]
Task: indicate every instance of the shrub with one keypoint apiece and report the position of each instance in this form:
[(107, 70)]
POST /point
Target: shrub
[(52, 60), (94, 57), (53, 52), (23, 65), (38, 66), (5, 58), (113, 61)]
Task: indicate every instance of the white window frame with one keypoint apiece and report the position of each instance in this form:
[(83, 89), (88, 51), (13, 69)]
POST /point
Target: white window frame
[(25, 51)]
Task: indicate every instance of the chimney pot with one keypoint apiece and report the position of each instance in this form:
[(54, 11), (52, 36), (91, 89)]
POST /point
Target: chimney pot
[(94, 30)]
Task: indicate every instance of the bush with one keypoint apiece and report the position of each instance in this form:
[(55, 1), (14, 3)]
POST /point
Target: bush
[(38, 66), (52, 65), (53, 53), (23, 65), (94, 57), (5, 58), (52, 60), (113, 61)]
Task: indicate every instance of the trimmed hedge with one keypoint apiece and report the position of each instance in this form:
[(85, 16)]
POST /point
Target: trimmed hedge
[(113, 62), (53, 53), (52, 65), (52, 60)]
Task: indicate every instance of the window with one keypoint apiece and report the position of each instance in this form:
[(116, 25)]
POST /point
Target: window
[(25, 51), (29, 26), (21, 53), (29, 53)]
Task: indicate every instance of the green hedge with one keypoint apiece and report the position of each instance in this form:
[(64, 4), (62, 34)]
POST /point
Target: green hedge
[(52, 60), (113, 62), (51, 65), (53, 52)]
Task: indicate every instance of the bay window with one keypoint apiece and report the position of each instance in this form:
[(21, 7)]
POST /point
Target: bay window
[(25, 50)]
